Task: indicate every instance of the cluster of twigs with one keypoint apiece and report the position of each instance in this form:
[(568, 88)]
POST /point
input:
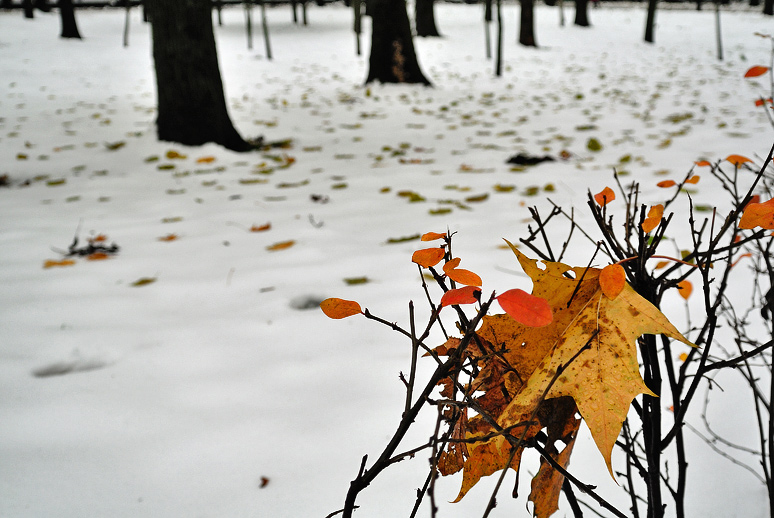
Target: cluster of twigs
[(717, 244)]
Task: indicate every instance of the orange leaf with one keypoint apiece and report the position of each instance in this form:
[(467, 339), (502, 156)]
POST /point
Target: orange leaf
[(683, 357), (98, 238), (262, 228), (466, 295), (666, 183), (168, 237), (661, 264), (205, 160), (282, 245), (758, 215), (526, 309), (737, 160), (459, 275), (428, 257), (432, 236), (756, 71), (654, 218), (465, 277), (340, 308), (612, 280), (686, 288), (52, 263), (605, 196), (703, 163), (452, 264), (693, 179), (97, 256)]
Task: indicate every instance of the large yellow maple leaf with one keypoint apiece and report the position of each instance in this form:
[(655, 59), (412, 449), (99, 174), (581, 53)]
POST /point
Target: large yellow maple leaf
[(591, 343)]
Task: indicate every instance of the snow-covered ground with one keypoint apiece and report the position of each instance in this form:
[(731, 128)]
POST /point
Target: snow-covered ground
[(220, 389)]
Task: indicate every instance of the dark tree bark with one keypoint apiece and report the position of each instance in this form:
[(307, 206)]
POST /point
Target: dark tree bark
[(5, 4), (424, 11), (755, 3), (191, 103), (582, 13), (42, 5), (527, 24), (29, 9), (768, 7), (393, 59), (650, 21), (67, 14)]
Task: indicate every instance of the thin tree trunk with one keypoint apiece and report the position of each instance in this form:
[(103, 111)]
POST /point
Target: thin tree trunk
[(249, 23), (393, 59), (358, 23), (191, 103), (67, 14), (487, 31), (768, 7), (265, 27), (5, 4), (499, 58), (718, 34), (126, 22), (527, 24), (650, 21)]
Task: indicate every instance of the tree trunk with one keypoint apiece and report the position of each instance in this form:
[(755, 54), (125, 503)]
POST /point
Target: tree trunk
[(191, 103), (67, 13), (393, 59), (29, 9), (755, 3), (768, 7), (5, 4), (527, 24), (424, 11), (42, 5), (582, 13), (650, 21)]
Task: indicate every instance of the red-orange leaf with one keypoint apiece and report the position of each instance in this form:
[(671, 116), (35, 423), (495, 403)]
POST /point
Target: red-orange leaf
[(703, 163), (605, 196), (340, 308), (612, 280), (737, 160), (666, 183), (262, 228), (693, 179), (205, 160), (168, 237), (758, 215), (97, 256), (756, 71), (686, 288), (428, 257), (466, 295), (432, 236), (526, 309)]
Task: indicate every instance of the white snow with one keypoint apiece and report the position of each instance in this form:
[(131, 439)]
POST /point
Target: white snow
[(182, 394)]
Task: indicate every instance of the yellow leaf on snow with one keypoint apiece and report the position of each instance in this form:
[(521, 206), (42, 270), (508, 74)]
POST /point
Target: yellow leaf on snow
[(282, 245), (53, 263)]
